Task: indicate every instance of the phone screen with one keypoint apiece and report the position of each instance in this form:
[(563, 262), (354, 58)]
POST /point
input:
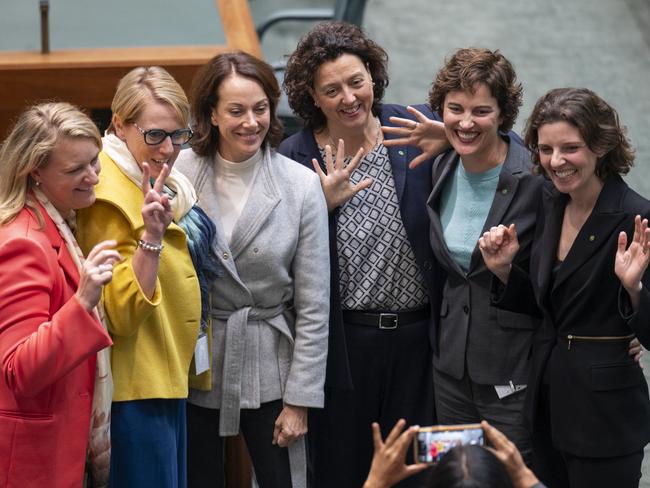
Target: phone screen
[(432, 442)]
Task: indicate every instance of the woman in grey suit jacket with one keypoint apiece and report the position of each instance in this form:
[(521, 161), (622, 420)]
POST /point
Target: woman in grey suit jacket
[(482, 361), (270, 307), (588, 401)]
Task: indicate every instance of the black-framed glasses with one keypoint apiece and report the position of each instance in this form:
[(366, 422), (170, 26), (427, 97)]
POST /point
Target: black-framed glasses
[(153, 137)]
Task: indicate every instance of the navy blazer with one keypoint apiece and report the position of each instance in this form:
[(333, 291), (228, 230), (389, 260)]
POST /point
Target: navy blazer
[(494, 345), (413, 187), (598, 395)]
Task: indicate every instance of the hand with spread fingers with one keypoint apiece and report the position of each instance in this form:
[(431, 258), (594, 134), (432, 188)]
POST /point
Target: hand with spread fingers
[(388, 462), (631, 263), (506, 451), (424, 133), (290, 425), (499, 247), (336, 183), (156, 210), (96, 271)]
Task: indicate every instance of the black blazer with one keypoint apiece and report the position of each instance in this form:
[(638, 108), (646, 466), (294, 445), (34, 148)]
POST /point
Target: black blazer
[(495, 344), (413, 187), (598, 395)]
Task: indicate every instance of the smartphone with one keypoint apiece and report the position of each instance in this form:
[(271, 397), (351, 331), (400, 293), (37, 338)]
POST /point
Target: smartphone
[(432, 442)]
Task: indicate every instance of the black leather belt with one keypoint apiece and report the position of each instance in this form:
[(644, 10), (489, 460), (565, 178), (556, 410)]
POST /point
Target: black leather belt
[(385, 320)]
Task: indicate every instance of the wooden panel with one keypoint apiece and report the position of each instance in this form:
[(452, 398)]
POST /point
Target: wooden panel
[(88, 77)]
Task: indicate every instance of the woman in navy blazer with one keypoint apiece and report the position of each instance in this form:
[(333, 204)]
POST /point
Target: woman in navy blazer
[(379, 360), (587, 399)]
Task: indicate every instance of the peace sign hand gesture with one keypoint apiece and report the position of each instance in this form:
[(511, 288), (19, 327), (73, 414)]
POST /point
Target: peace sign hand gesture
[(336, 182), (156, 209)]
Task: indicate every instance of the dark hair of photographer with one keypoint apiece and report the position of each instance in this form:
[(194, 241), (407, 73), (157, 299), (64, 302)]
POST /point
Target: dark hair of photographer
[(469, 467)]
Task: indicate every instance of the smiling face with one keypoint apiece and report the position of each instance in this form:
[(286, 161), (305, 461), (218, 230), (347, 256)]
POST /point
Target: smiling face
[(68, 179), (472, 123), (568, 161), (156, 115), (243, 117), (343, 91)]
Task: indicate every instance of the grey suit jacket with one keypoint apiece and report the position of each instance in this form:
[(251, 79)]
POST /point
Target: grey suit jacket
[(493, 344), (276, 277)]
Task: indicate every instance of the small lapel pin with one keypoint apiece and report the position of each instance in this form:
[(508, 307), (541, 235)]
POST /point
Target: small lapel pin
[(592, 238)]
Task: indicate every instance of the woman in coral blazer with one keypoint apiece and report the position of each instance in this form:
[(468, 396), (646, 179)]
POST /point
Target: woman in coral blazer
[(49, 332)]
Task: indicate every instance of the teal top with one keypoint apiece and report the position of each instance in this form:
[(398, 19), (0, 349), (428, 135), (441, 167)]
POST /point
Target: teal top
[(465, 204)]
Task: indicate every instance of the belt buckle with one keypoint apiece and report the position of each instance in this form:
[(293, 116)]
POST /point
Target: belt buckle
[(388, 321)]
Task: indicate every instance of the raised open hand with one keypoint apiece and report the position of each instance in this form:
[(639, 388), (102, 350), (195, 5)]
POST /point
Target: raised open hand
[(96, 271), (336, 182), (424, 133), (498, 247), (156, 211), (631, 263)]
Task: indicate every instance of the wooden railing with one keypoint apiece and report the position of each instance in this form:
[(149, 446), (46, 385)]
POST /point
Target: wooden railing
[(88, 77)]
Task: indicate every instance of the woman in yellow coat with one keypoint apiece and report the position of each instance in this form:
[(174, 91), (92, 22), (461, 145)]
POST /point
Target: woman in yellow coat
[(154, 302)]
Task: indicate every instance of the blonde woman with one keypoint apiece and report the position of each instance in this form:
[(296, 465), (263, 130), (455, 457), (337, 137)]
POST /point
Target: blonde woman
[(50, 334), (154, 303)]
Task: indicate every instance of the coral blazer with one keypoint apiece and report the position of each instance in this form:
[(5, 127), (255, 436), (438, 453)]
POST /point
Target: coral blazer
[(48, 346)]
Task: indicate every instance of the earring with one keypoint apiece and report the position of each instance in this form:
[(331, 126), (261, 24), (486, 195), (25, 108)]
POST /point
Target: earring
[(316, 104), (38, 183)]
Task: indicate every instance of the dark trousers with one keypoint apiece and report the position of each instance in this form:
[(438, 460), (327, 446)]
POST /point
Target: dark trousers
[(391, 373), (557, 469), (205, 453), (466, 402), (148, 444)]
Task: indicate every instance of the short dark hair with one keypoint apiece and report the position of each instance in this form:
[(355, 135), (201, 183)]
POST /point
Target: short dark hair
[(470, 66), (327, 42), (204, 97), (595, 119), (469, 467)]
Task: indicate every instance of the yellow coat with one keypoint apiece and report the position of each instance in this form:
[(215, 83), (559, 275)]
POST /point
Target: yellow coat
[(153, 340)]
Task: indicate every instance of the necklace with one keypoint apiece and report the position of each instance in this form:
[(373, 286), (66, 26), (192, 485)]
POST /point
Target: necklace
[(377, 137)]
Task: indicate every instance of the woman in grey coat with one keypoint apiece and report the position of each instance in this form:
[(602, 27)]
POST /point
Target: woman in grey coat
[(268, 343)]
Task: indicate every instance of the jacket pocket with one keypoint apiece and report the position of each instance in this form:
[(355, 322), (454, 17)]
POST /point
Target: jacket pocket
[(513, 320), (615, 376)]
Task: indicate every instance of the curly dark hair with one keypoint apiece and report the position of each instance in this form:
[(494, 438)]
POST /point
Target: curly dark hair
[(470, 66), (204, 96), (596, 120), (326, 42)]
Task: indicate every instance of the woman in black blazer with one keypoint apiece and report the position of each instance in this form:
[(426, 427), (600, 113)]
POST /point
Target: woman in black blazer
[(588, 400)]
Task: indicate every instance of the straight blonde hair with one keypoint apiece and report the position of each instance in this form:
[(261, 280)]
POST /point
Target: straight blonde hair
[(136, 89), (29, 147)]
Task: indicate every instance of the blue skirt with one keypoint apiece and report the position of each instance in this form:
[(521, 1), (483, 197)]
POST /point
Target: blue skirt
[(148, 444)]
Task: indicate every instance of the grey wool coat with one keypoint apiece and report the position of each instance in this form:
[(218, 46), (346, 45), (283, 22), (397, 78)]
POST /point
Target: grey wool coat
[(275, 287)]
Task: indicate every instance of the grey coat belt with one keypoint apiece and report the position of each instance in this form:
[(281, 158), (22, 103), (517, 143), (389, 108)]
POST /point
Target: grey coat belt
[(233, 361), (229, 412)]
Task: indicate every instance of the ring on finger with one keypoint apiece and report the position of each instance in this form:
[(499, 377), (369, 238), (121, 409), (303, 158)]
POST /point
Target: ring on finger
[(415, 125)]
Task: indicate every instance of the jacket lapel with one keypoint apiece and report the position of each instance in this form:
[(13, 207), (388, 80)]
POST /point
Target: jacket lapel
[(58, 244), (206, 193), (505, 192), (263, 199), (600, 224), (442, 169), (554, 204)]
